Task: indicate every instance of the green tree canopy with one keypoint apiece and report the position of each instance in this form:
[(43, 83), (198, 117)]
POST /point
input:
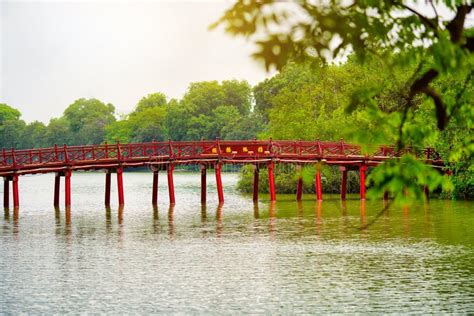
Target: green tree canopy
[(87, 120)]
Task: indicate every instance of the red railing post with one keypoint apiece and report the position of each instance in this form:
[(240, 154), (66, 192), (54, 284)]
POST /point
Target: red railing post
[(55, 152), (13, 158), (66, 158), (106, 150), (119, 152)]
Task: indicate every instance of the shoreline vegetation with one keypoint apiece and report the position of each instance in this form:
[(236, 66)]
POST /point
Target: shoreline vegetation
[(301, 102)]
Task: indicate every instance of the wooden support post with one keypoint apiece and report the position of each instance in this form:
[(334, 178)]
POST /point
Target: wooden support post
[(299, 188), (203, 184), (343, 182), (362, 170), (318, 185), (426, 191), (57, 187), (108, 178), (154, 193), (220, 192), (256, 173), (16, 194), (6, 192), (121, 197), (271, 181), (67, 188), (171, 184), (385, 195)]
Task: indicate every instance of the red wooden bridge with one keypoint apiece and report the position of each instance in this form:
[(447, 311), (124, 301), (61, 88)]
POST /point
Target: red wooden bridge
[(114, 158)]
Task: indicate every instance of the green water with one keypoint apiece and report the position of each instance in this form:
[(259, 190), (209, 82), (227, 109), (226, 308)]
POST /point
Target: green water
[(284, 258)]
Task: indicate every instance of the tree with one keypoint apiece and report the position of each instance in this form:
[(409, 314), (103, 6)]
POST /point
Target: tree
[(87, 120), (152, 100), (32, 135), (398, 34), (11, 126), (57, 132)]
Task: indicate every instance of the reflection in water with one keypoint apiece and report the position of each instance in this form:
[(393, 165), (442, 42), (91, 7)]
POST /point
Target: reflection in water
[(16, 214), (108, 219), (120, 214), (67, 213), (171, 228), (319, 206), (255, 210), (203, 212), (406, 221), (272, 219), (363, 213), (156, 220), (219, 225), (299, 260), (6, 213), (57, 215)]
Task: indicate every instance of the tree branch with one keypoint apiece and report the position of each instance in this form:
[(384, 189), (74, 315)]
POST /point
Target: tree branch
[(423, 18), (456, 25)]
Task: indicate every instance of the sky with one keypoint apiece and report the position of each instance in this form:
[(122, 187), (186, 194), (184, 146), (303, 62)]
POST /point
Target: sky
[(52, 53)]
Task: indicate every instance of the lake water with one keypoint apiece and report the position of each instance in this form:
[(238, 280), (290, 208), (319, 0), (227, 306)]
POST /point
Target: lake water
[(242, 258)]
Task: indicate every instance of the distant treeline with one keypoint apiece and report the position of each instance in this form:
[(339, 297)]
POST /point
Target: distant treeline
[(207, 110)]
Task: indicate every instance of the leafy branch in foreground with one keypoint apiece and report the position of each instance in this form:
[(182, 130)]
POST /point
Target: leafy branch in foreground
[(406, 36)]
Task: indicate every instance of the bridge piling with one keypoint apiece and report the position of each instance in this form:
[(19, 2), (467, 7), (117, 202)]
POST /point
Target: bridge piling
[(6, 192), (16, 194), (256, 173), (121, 197), (108, 178), (203, 184), (299, 189), (271, 181), (362, 171), (220, 192), (154, 198), (343, 169), (319, 189), (67, 188), (171, 184), (57, 186)]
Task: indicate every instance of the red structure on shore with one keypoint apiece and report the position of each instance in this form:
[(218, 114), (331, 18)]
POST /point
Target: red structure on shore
[(114, 158)]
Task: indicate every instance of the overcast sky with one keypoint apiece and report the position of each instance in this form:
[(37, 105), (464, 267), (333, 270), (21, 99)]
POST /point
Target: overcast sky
[(117, 51)]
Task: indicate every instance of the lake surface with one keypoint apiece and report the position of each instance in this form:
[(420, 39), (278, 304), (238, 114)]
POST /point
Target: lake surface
[(242, 258)]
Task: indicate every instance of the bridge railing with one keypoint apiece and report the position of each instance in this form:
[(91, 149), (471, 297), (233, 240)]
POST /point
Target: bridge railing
[(181, 150)]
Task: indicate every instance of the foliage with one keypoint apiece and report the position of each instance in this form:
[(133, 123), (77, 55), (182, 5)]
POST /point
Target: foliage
[(419, 52), (87, 120)]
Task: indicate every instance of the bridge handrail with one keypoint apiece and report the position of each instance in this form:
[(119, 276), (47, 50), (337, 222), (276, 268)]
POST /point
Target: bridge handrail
[(199, 149)]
